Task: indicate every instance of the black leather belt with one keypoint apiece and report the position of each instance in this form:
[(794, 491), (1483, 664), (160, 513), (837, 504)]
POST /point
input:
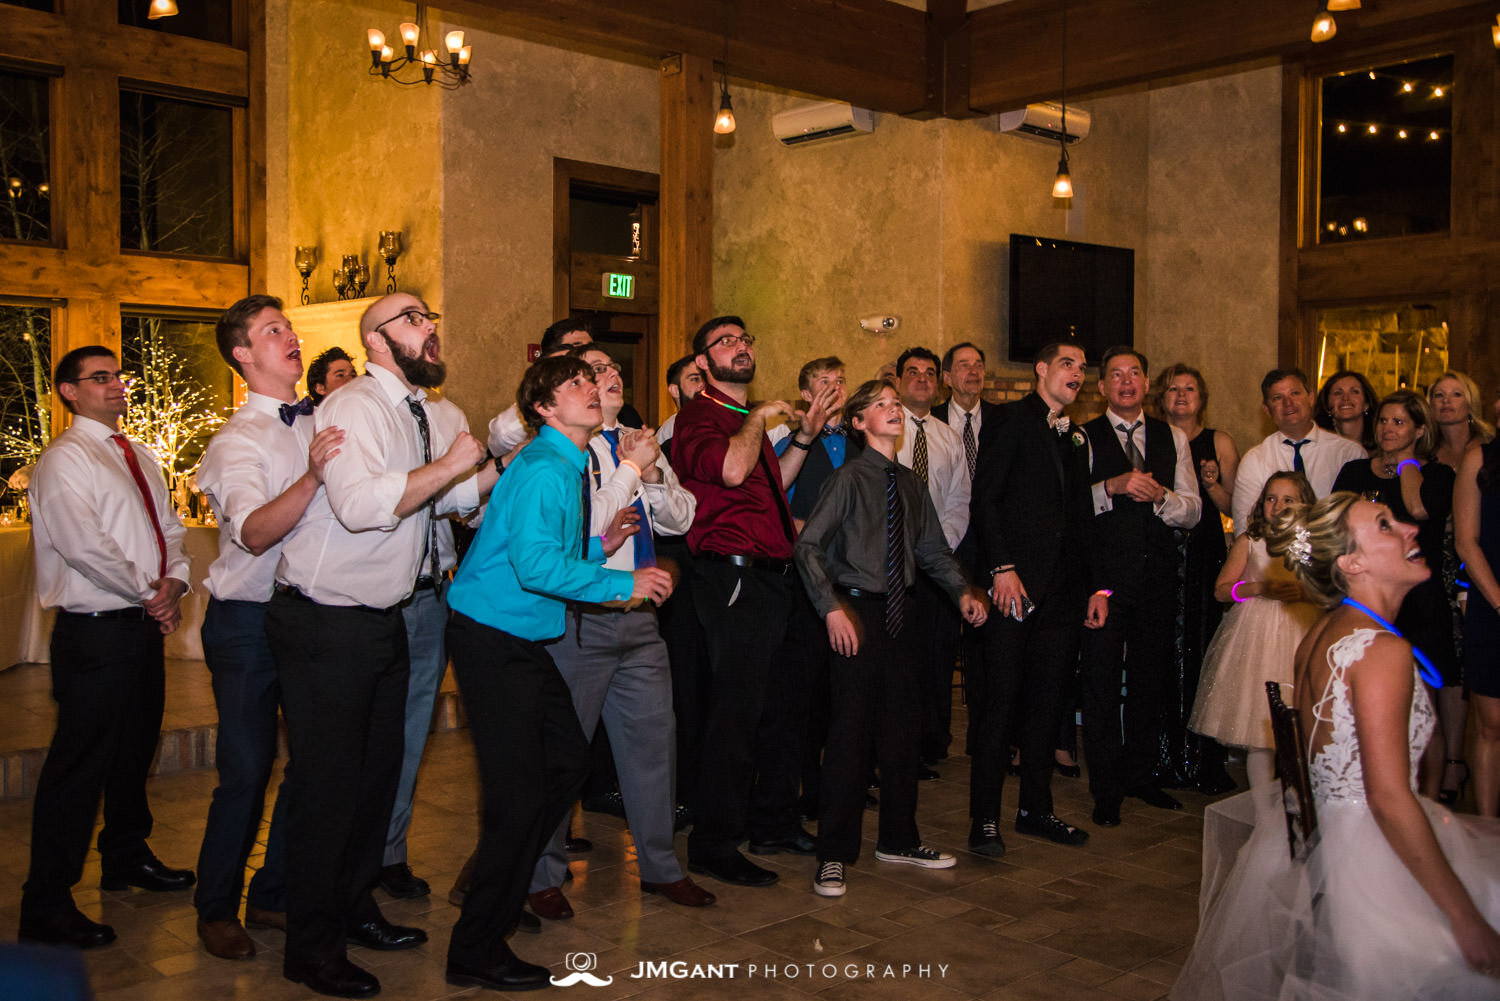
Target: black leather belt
[(782, 567), (860, 592), (297, 595), (135, 612), (427, 582)]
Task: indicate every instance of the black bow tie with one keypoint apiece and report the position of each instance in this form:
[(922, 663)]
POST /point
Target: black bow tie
[(829, 431), (291, 411)]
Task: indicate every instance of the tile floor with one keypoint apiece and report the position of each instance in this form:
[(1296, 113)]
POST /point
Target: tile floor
[(1110, 920)]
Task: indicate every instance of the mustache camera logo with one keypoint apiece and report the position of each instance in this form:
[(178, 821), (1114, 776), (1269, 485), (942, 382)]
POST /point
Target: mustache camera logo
[(582, 964)]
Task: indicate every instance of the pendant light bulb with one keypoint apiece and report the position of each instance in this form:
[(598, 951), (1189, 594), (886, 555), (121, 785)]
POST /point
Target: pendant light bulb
[(1323, 27), (1343, 4), (160, 9), (1062, 186), (724, 122)]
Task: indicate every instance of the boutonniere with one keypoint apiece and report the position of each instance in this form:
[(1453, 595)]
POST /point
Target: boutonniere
[(1078, 440)]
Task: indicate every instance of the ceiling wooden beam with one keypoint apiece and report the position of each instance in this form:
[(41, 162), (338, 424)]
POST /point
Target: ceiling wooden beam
[(867, 52), (1119, 43)]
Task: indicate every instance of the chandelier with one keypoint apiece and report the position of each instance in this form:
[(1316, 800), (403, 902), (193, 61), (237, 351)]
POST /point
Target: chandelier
[(450, 73)]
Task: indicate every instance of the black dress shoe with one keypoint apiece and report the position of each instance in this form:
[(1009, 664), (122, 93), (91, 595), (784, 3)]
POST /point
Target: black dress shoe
[(734, 868), (399, 881), (1152, 796), (1072, 771), (611, 803), (337, 978), (149, 875), (800, 843), (1106, 814), (1049, 826), (510, 974), (925, 774), (66, 927), (382, 935)]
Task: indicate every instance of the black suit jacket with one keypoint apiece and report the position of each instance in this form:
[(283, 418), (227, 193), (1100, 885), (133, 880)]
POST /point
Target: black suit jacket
[(1031, 504)]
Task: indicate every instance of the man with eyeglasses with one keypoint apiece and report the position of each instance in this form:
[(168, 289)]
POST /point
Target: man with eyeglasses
[(110, 558), (337, 632), (741, 541)]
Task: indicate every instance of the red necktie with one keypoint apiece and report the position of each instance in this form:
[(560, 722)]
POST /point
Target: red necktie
[(140, 482)]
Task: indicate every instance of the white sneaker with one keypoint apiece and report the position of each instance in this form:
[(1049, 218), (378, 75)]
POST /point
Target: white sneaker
[(927, 858), (829, 882)]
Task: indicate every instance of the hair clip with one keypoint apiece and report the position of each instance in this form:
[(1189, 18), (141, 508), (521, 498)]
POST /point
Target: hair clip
[(1301, 546)]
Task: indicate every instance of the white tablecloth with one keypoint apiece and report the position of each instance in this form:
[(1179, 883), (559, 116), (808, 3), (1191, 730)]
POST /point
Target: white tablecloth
[(26, 628)]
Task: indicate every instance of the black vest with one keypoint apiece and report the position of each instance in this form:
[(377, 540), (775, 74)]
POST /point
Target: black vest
[(1133, 548), (816, 469)]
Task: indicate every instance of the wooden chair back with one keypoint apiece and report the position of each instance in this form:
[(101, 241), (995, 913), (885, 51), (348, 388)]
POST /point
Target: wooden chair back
[(1296, 783)]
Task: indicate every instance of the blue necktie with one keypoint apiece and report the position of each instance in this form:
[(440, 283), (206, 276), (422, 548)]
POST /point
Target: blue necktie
[(1297, 463), (291, 411), (645, 546)]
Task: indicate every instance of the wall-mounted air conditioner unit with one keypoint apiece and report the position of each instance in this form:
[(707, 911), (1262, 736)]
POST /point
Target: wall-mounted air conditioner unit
[(1044, 122), (821, 121)]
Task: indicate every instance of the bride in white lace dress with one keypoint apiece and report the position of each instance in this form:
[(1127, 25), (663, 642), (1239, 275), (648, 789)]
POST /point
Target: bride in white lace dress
[(1398, 898)]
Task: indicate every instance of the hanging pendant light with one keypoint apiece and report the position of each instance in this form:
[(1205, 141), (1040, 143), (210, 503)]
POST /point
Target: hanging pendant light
[(724, 120), (1323, 27), (160, 9), (1343, 4), (1062, 184)]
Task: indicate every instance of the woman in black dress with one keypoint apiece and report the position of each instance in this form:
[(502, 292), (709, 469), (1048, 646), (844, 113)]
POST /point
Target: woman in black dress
[(1187, 760), (1403, 476), (1476, 527)]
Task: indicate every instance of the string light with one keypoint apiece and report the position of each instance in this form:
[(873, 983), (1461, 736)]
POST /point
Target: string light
[(1437, 92), (1379, 128)]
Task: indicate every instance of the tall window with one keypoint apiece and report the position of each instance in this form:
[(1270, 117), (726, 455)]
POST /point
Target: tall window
[(1386, 151), (1402, 345), (25, 385), (176, 176), (25, 152)]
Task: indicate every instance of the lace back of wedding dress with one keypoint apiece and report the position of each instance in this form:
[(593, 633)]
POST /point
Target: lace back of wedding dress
[(1333, 745)]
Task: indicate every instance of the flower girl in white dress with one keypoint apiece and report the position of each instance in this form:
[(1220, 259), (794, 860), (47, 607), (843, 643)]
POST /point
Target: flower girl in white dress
[(1397, 899)]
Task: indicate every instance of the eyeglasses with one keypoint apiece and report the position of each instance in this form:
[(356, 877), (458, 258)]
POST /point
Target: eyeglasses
[(600, 367), (104, 378), (733, 340), (413, 317)]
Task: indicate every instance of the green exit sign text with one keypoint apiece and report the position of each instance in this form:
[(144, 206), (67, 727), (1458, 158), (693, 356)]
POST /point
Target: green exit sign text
[(618, 286)]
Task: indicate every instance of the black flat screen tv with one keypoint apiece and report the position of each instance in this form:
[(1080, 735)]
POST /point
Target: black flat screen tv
[(1063, 290)]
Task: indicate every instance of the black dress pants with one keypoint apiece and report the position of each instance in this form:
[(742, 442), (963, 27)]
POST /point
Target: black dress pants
[(533, 758), (1135, 643), (344, 674), (744, 612), (109, 685), (876, 706), (1026, 666)]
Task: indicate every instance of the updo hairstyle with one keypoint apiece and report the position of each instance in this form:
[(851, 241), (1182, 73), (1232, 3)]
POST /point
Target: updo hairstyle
[(1310, 539)]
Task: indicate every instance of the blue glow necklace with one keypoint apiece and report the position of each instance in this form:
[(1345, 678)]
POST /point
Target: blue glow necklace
[(1428, 670)]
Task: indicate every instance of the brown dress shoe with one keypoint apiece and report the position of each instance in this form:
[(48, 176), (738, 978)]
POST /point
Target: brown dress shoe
[(683, 892), (257, 918), (225, 939), (550, 904)]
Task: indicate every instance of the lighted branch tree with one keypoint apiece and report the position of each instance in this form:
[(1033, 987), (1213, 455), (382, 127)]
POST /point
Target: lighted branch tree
[(169, 410)]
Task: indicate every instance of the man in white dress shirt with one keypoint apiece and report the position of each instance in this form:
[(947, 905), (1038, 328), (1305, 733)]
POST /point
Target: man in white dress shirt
[(934, 451), (1144, 485), (337, 633), (260, 472), (109, 557), (614, 660), (1298, 444)]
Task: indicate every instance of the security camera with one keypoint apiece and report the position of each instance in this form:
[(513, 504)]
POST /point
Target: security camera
[(879, 324)]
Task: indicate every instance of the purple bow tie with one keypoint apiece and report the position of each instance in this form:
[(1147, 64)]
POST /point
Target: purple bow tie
[(291, 411)]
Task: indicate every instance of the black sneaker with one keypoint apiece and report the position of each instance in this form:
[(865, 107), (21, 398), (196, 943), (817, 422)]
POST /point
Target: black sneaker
[(1047, 825), (984, 838), (829, 882), (921, 855)]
